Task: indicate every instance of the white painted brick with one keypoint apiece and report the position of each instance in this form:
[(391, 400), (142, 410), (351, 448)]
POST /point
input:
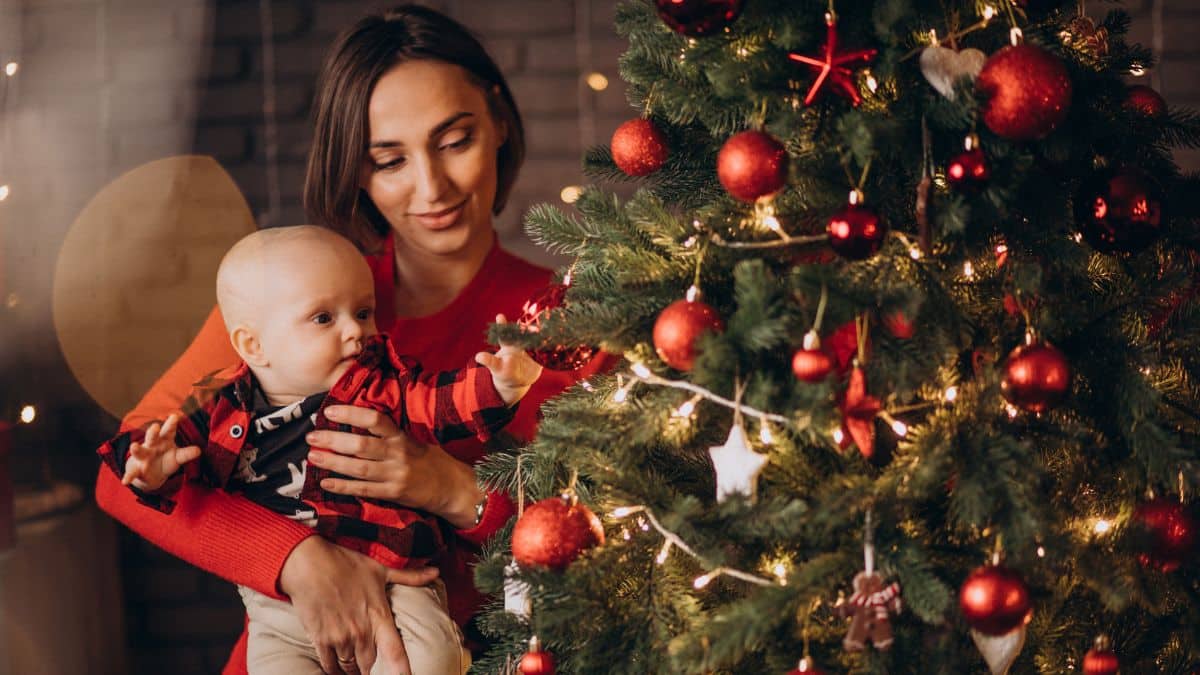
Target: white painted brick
[(543, 94), (241, 21), (54, 27), (528, 17)]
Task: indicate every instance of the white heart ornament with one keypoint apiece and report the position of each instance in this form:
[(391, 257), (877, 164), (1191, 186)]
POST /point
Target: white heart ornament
[(1000, 651), (943, 67)]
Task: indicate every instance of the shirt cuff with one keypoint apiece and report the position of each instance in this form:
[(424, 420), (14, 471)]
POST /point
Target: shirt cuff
[(496, 513)]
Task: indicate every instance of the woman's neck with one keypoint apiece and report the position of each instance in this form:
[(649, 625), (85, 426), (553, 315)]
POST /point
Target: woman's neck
[(427, 283)]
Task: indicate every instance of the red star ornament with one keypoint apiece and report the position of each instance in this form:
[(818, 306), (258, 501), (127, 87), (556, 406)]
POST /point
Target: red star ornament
[(858, 414), (831, 66)]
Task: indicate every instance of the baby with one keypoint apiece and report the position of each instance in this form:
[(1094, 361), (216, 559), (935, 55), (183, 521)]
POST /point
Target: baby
[(299, 306)]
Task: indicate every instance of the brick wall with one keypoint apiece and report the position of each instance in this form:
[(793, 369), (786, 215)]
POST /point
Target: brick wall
[(106, 85)]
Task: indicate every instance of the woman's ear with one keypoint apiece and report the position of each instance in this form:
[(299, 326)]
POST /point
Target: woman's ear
[(501, 125), (247, 345)]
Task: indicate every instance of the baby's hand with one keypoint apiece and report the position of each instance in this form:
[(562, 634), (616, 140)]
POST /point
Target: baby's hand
[(153, 461), (513, 372)]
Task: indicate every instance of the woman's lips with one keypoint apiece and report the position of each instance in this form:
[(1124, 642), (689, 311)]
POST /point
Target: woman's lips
[(440, 220)]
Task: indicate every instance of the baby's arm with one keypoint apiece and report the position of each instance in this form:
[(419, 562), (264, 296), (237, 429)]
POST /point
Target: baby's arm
[(513, 371), (156, 458)]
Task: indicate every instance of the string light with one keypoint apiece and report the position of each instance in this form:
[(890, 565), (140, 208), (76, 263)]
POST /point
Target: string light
[(625, 534), (900, 428), (1001, 249), (622, 390), (623, 511), (914, 253), (1041, 551), (1015, 36), (968, 269), (951, 393), (28, 414), (597, 81), (3, 192), (663, 553), (764, 434), (1102, 526), (1011, 410), (838, 436), (872, 83), (692, 293), (587, 385), (988, 13), (11, 68), (780, 572), (688, 407), (641, 370), (571, 194), (704, 579), (1137, 69)]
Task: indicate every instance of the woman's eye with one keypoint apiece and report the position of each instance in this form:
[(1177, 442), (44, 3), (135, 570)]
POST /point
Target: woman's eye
[(458, 143), (389, 164), (322, 318)]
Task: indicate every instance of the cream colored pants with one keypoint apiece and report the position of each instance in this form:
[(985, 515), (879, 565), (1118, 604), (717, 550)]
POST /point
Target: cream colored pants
[(278, 644)]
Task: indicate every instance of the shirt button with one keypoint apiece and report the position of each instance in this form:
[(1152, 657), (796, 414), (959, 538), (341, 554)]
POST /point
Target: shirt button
[(236, 431)]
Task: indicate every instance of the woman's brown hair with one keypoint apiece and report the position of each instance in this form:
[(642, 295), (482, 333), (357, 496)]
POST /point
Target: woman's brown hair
[(356, 61)]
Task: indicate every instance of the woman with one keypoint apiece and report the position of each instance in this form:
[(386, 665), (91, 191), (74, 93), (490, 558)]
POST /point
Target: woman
[(417, 143)]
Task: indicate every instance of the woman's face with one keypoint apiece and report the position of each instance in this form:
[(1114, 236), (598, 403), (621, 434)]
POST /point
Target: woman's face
[(431, 159)]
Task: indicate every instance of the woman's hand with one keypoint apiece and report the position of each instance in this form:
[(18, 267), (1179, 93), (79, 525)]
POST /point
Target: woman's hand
[(390, 465), (341, 598)]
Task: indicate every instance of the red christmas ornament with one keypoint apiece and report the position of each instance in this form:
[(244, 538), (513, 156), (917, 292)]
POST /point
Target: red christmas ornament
[(1100, 659), (1120, 210), (994, 600), (1146, 101), (1027, 92), (899, 325), (806, 667), (639, 148), (554, 357), (677, 328), (830, 66), (1036, 377), (969, 172), (856, 232), (535, 661), (811, 365), (842, 345), (752, 165), (858, 414), (698, 18), (1172, 534), (554, 532)]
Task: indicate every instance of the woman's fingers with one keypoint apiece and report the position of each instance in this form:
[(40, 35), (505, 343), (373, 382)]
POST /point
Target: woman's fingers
[(389, 649), (346, 443), (373, 421), (352, 467), (356, 488)]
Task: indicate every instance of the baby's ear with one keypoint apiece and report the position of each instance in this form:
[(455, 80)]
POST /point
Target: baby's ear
[(245, 342)]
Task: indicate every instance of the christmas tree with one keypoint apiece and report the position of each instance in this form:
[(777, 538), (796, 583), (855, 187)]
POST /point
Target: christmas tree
[(909, 365)]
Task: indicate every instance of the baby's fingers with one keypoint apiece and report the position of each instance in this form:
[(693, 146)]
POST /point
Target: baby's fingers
[(173, 460), (168, 427)]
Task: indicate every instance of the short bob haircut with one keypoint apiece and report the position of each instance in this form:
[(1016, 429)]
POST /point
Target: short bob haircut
[(341, 130)]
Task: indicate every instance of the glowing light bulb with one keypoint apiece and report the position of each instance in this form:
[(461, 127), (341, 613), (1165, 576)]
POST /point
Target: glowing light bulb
[(1011, 410), (663, 553), (3, 192), (914, 253), (703, 580), (688, 407), (597, 81), (11, 68), (1015, 36), (622, 511), (641, 370), (764, 434), (838, 436), (988, 13), (620, 395), (900, 428), (625, 534), (951, 393), (28, 414), (587, 386), (968, 269), (872, 83), (1137, 69), (1102, 526), (692, 293), (1041, 551), (780, 571), (570, 194)]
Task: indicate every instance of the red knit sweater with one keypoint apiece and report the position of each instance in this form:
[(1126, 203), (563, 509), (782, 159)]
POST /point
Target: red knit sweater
[(209, 527)]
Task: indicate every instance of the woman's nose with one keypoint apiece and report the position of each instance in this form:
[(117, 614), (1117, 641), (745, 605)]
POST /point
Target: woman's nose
[(431, 180)]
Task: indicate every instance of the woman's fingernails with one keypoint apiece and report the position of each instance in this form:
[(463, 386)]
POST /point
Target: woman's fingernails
[(331, 413), (314, 458)]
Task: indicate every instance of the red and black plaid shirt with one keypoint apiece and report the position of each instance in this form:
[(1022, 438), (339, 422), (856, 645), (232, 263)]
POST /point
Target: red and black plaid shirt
[(435, 407)]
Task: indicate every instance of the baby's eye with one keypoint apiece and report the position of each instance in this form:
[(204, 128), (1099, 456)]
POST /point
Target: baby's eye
[(322, 318), (364, 314)]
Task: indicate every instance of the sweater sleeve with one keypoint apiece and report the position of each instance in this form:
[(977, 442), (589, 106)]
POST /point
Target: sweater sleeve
[(443, 407), (207, 527)]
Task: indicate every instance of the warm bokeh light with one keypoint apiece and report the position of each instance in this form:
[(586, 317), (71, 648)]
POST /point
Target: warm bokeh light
[(597, 81)]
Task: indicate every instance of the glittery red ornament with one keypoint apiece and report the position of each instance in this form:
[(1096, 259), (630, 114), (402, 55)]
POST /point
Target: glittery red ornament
[(806, 667), (639, 148), (969, 171), (697, 18), (1100, 659), (536, 661), (1036, 377), (1120, 210), (1145, 100), (677, 328), (554, 532), (856, 232), (1172, 534), (994, 600), (552, 356), (751, 165), (1026, 90), (812, 365)]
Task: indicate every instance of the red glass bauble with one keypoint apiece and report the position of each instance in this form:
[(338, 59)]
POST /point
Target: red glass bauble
[(537, 663), (1100, 662), (856, 232), (812, 365), (1026, 90), (1036, 377), (969, 171), (994, 600), (639, 148), (554, 532), (1120, 210), (697, 18), (552, 356), (751, 165), (1145, 100), (1172, 534), (677, 328)]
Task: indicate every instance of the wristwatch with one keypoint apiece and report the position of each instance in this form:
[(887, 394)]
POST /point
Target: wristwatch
[(480, 507)]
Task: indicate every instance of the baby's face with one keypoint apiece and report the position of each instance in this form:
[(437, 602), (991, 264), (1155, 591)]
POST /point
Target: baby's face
[(319, 307)]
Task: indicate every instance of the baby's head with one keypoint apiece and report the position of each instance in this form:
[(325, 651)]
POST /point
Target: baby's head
[(297, 302)]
